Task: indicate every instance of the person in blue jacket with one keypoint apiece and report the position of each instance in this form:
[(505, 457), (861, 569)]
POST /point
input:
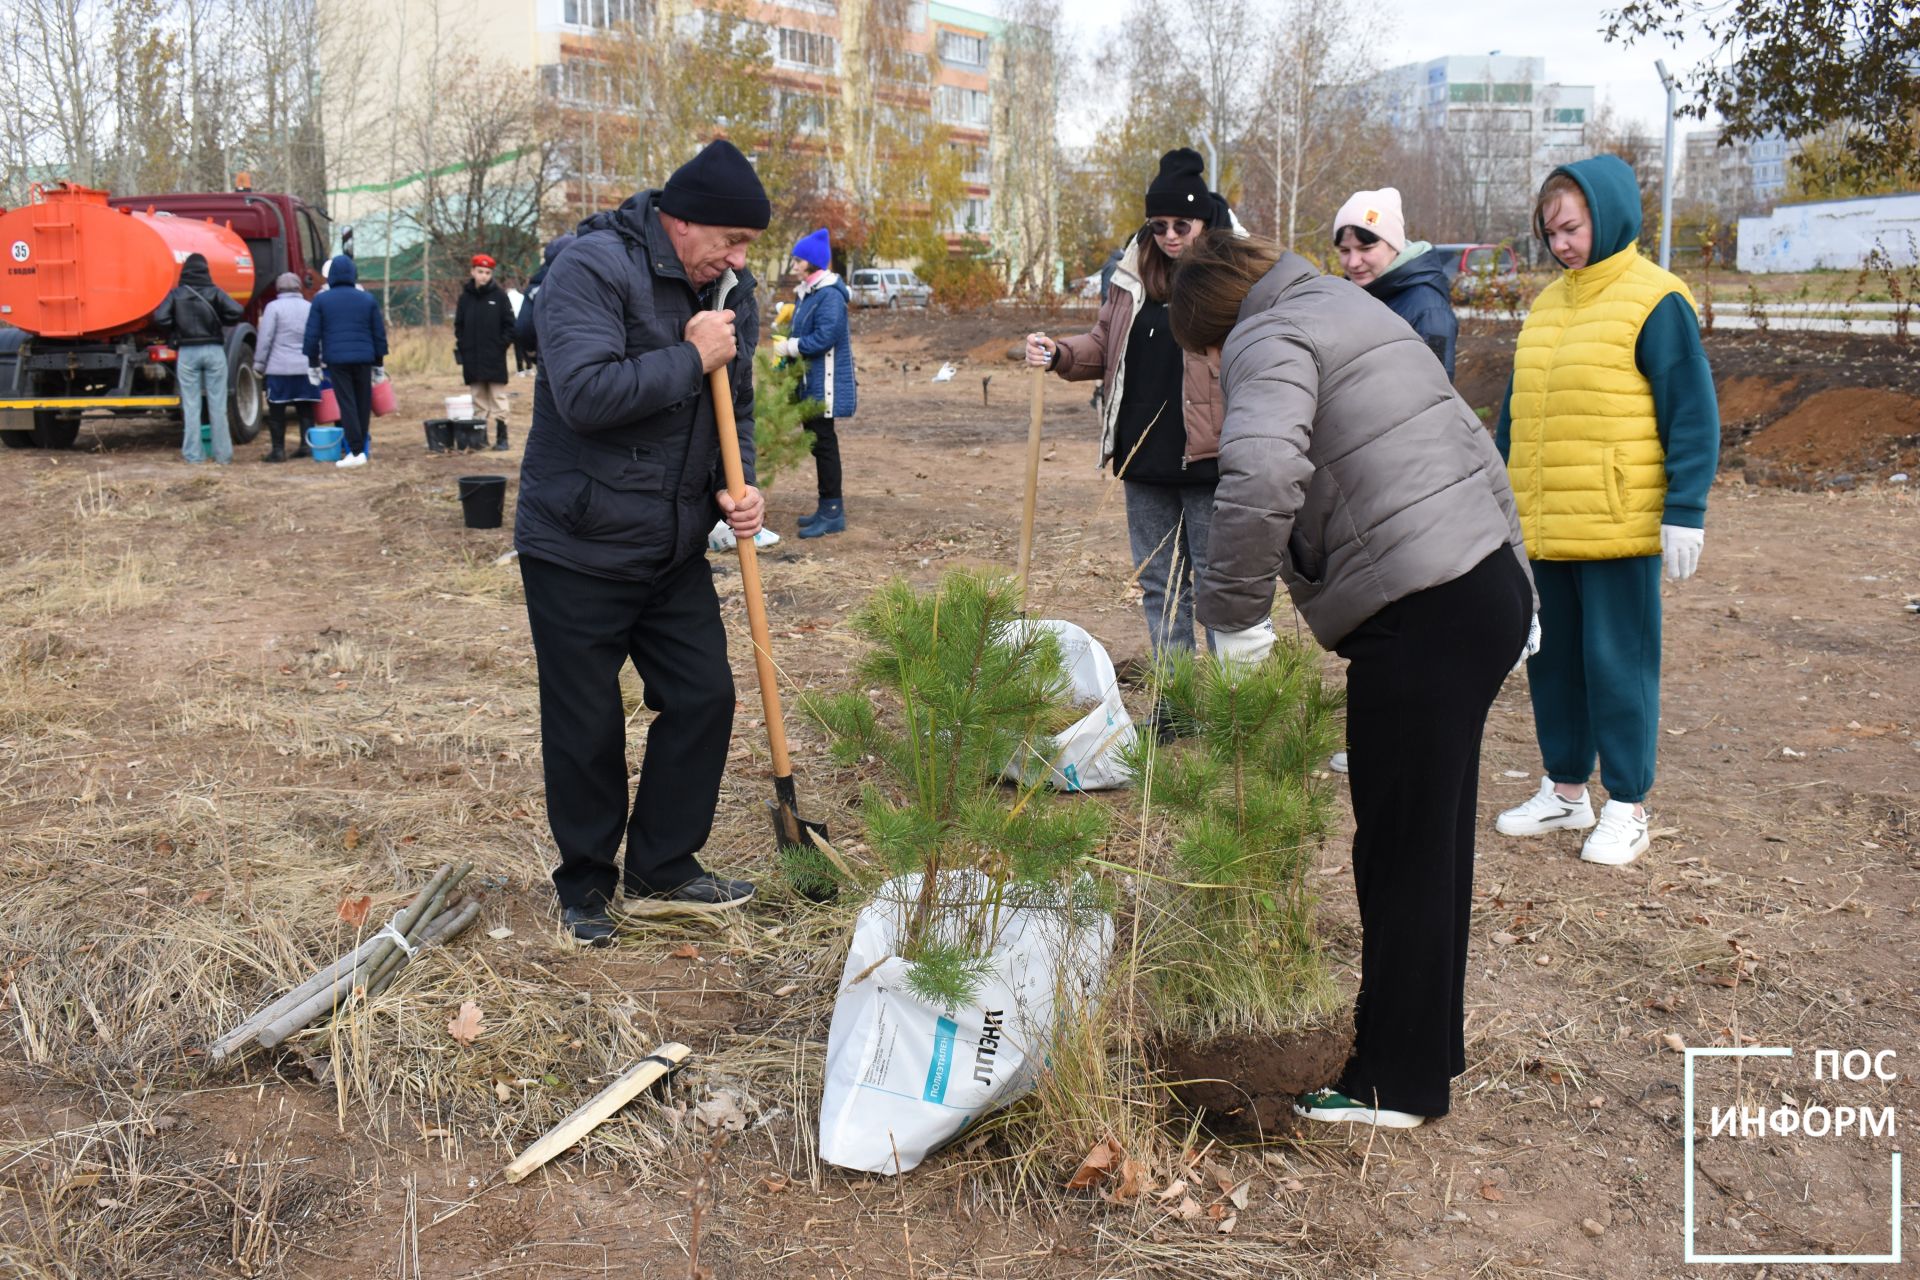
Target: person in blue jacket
[(346, 333), (1611, 432), (819, 336), (1370, 235)]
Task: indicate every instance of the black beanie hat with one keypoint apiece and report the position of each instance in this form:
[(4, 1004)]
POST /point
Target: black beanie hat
[(718, 188), (1180, 190)]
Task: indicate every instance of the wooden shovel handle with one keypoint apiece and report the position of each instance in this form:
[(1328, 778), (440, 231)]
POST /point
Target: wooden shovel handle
[(1035, 418), (750, 574)]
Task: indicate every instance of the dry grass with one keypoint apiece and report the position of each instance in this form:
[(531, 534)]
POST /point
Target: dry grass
[(420, 351)]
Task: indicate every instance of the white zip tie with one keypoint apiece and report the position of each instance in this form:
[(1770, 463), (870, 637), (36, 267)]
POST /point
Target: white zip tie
[(399, 939)]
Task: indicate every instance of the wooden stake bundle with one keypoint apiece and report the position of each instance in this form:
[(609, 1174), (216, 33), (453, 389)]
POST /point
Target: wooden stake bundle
[(426, 921), (595, 1110)]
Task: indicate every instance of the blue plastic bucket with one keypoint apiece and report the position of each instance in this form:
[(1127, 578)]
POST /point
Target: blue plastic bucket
[(325, 443)]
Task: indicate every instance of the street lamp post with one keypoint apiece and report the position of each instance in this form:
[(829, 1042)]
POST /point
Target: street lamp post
[(1666, 176)]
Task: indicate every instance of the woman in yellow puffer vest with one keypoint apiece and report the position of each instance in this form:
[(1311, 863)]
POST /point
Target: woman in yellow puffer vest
[(1611, 432)]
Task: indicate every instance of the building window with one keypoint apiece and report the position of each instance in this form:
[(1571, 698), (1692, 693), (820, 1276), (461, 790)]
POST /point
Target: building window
[(1566, 115), (810, 6), (581, 82), (973, 162), (952, 105), (970, 216), (807, 49), (962, 50), (802, 113), (597, 13)]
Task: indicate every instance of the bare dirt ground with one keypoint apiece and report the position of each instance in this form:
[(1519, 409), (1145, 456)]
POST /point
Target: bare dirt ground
[(230, 698)]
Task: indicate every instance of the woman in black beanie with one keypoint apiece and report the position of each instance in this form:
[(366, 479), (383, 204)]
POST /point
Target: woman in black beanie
[(1162, 406)]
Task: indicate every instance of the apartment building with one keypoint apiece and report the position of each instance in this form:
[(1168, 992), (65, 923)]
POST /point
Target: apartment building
[(946, 63), (1502, 120), (1735, 176)]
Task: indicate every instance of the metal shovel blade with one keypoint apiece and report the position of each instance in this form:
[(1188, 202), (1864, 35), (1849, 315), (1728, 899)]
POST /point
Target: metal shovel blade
[(794, 832)]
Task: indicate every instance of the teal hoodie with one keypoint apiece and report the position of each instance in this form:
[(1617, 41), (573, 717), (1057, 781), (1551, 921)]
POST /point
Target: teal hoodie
[(1668, 351)]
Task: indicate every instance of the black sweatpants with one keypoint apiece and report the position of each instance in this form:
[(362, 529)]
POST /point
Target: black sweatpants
[(826, 456), (584, 630), (353, 388), (1424, 671)]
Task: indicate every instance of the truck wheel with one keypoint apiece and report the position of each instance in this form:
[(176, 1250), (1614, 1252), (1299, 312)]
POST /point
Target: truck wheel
[(17, 439), (52, 430), (245, 407)]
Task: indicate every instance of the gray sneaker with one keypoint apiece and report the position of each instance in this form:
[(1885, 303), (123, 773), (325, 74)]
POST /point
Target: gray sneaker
[(704, 890)]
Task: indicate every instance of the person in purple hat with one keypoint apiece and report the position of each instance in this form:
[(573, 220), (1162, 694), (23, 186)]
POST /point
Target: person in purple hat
[(820, 339)]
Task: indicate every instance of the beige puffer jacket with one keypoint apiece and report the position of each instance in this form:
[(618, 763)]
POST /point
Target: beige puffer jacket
[(1349, 468)]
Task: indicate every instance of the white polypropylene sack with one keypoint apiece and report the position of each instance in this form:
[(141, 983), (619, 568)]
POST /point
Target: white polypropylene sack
[(903, 1077), (1086, 756)]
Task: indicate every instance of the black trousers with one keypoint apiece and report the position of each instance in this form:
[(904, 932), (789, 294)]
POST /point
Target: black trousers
[(353, 388), (1424, 671), (826, 456), (584, 630), (277, 420)]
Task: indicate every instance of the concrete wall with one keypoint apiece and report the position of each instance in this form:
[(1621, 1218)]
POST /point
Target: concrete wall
[(1836, 234)]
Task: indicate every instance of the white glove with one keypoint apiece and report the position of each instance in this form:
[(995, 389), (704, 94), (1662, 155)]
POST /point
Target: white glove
[(1531, 647), (1680, 548), (786, 347), (1243, 649), (313, 375)]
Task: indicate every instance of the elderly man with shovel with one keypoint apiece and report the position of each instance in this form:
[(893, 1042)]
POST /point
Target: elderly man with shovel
[(641, 320)]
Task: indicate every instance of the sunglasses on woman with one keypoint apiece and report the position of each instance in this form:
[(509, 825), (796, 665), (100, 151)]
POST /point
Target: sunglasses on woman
[(1176, 227)]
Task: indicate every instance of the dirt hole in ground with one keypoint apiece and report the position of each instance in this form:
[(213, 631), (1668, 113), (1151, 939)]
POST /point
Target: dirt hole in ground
[(1246, 1084)]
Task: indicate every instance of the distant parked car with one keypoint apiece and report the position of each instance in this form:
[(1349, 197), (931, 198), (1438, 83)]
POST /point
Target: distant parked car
[(1471, 267), (889, 287)]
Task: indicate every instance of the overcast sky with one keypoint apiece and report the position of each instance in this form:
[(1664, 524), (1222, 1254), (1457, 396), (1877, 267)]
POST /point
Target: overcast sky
[(1566, 35)]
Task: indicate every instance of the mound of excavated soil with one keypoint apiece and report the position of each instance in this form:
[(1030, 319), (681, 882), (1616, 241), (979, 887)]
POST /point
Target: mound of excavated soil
[(1835, 435), (1246, 1084)]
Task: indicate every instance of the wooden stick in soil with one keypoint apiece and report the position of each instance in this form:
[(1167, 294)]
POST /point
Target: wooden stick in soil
[(597, 1109), (329, 973), (330, 996), (379, 975), (1038, 413)]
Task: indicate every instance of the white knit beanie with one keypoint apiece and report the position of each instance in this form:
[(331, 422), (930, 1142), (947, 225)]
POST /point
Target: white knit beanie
[(1377, 212)]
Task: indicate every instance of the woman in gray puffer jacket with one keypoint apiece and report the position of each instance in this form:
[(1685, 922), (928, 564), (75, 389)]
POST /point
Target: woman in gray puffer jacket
[(1352, 472), (280, 361)]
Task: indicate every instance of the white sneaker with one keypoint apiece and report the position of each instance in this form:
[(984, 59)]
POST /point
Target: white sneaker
[(1334, 1107), (1547, 811), (722, 538), (344, 461), (1337, 762), (352, 460), (1619, 839)]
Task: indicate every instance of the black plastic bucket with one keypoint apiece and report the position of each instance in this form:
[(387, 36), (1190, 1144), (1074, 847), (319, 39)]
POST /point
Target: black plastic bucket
[(483, 498), (473, 436), (439, 435)]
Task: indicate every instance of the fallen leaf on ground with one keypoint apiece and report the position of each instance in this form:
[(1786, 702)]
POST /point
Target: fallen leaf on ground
[(685, 951), (1174, 1191), (778, 1182), (1189, 1209), (353, 911), (501, 932), (1133, 1179), (467, 1024), (201, 898), (1097, 1165), (502, 1091), (721, 1109), (352, 838), (1227, 1224), (1292, 1185), (1506, 939), (1488, 1191), (77, 1182), (1238, 1196), (1674, 1042), (786, 990)]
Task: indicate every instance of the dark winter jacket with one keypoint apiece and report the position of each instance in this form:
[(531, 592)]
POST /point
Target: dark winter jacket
[(526, 333), (1420, 293), (196, 311), (623, 458), (482, 333), (1350, 469), (344, 325), (820, 327)]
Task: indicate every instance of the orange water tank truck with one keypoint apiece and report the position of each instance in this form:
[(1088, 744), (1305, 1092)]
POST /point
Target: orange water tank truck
[(81, 274)]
